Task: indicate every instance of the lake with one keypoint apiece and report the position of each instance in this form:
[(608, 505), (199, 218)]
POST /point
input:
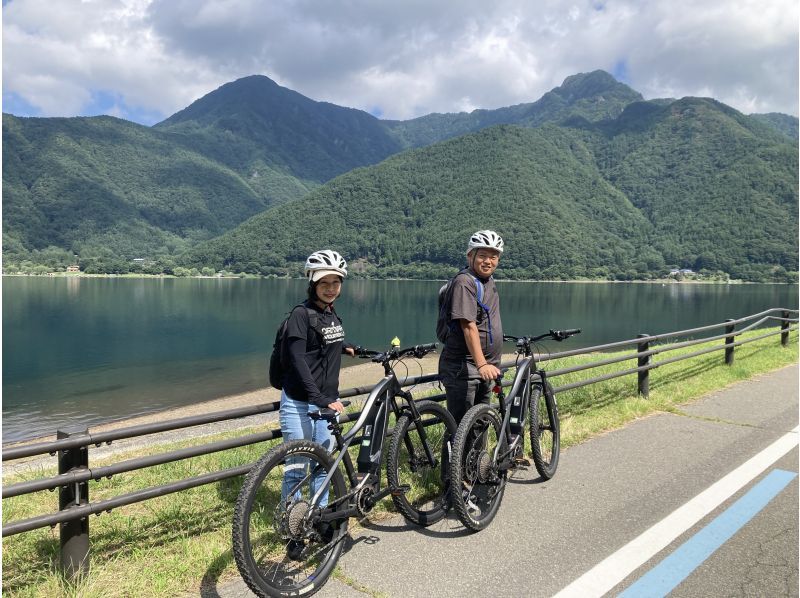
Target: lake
[(88, 350)]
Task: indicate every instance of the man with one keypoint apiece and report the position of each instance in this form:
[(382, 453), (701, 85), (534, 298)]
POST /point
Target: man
[(470, 360)]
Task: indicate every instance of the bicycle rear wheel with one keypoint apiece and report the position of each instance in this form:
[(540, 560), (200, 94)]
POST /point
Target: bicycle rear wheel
[(279, 550), (425, 500), (545, 430), (477, 483)]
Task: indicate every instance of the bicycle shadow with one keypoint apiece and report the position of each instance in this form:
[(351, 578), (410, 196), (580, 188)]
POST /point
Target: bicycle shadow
[(210, 583), (527, 476), (448, 527)]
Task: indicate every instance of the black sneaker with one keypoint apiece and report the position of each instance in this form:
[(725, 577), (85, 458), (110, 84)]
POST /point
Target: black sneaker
[(294, 549)]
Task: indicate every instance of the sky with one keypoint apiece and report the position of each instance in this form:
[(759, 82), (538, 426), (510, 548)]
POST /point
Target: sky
[(144, 60)]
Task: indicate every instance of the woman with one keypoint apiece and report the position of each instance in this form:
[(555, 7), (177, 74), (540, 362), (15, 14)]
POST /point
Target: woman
[(314, 345)]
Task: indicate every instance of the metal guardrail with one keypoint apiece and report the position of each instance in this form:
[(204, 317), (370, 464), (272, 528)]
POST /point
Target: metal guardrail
[(72, 446)]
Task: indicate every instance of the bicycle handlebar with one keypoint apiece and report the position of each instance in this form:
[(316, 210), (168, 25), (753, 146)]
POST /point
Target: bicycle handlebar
[(556, 335), (418, 351)]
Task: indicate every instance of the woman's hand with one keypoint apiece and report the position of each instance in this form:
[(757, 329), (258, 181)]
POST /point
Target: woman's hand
[(336, 406)]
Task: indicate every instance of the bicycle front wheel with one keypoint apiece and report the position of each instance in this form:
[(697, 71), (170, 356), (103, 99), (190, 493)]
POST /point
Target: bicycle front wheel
[(421, 485), (477, 482), (545, 430), (280, 547)]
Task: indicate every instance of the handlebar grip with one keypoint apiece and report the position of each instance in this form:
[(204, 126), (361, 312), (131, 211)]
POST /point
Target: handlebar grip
[(572, 331), (427, 348)]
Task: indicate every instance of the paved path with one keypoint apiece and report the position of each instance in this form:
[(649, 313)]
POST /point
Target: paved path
[(609, 491)]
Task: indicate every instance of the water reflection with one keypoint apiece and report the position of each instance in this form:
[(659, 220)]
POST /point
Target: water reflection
[(94, 349)]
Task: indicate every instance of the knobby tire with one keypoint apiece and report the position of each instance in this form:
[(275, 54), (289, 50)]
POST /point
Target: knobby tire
[(425, 502), (264, 524), (545, 430), (473, 471)]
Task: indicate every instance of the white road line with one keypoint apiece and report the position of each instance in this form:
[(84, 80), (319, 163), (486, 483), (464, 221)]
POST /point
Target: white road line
[(611, 571)]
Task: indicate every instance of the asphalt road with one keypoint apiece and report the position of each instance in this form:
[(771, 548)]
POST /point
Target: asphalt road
[(699, 503)]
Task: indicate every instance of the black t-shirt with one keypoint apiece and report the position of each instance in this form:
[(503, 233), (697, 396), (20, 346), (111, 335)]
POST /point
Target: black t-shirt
[(314, 356)]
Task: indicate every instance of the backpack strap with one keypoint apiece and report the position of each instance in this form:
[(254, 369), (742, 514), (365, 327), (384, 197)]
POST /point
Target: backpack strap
[(479, 297), (479, 293)]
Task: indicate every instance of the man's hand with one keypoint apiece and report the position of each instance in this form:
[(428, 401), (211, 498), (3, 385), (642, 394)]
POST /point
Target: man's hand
[(350, 351), (489, 372)]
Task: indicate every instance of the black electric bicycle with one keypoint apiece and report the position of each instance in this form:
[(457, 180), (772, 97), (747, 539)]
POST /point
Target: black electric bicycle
[(490, 442), (292, 513)]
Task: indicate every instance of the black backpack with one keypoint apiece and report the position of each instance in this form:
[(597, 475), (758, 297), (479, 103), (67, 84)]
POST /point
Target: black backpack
[(278, 359), (444, 325)]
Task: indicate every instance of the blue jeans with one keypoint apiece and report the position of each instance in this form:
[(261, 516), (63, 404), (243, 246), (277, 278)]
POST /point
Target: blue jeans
[(297, 425)]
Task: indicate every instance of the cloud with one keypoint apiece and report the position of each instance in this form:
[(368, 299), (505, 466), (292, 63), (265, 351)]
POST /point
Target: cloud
[(150, 58)]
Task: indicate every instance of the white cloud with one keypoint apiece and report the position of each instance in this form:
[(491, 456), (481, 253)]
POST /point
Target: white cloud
[(404, 59)]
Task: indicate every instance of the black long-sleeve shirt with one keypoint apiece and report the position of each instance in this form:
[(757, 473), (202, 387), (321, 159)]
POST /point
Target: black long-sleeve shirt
[(314, 355)]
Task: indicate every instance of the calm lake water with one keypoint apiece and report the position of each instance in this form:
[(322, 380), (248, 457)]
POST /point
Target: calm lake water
[(87, 350)]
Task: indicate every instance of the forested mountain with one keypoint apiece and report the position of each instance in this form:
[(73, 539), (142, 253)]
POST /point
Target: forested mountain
[(719, 187), (606, 185), (692, 184), (593, 96), (783, 123), (106, 186), (107, 189), (264, 131)]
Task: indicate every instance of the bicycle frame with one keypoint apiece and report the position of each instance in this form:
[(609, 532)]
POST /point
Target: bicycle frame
[(516, 413), (376, 411), (374, 421), (519, 408)]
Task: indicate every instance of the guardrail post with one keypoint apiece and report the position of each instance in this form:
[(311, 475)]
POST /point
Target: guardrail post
[(729, 341), (644, 376), (74, 534), (785, 328)]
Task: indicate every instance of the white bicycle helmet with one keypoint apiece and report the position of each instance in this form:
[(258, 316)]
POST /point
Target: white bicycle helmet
[(487, 239), (322, 263)]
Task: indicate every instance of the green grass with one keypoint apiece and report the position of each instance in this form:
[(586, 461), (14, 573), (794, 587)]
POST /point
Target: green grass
[(169, 545)]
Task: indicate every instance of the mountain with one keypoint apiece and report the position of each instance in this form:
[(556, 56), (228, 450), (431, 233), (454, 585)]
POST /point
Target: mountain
[(103, 184), (109, 191), (692, 183), (719, 187), (109, 187), (593, 96), (256, 127), (412, 213), (782, 123)]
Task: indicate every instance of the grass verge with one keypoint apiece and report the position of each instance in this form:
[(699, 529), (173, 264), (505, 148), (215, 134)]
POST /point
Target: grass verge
[(170, 545)]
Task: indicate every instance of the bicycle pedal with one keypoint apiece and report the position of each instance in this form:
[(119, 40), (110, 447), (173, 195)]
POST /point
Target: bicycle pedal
[(523, 461), (401, 490)]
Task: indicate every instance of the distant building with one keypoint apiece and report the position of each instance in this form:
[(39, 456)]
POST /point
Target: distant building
[(73, 269)]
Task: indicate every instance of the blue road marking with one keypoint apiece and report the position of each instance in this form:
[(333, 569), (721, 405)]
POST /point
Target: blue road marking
[(661, 580)]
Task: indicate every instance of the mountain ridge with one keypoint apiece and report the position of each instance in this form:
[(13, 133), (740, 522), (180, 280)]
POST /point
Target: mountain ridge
[(252, 145)]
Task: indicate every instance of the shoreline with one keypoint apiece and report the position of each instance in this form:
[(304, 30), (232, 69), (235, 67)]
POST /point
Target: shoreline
[(359, 375), (662, 281)]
